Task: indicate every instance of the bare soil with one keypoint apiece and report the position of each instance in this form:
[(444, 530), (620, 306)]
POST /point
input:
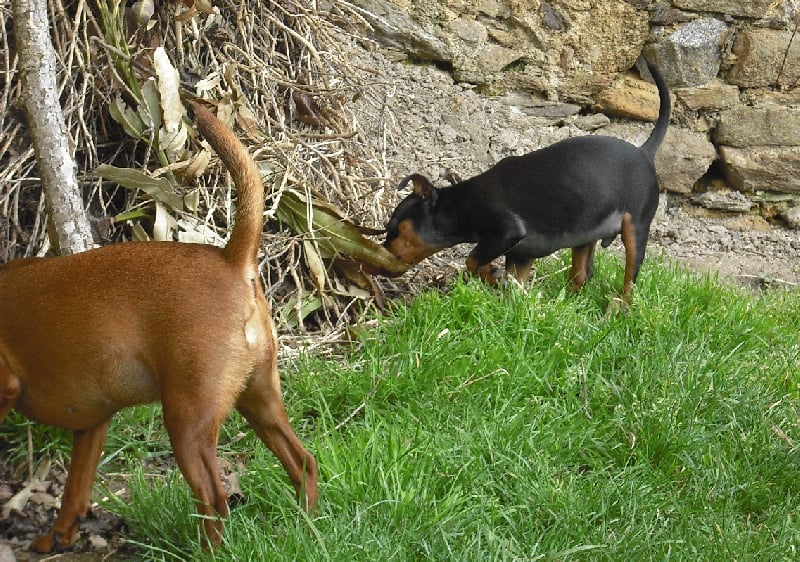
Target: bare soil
[(99, 534)]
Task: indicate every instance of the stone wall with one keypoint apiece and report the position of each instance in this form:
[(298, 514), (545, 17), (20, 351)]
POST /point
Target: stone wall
[(733, 67)]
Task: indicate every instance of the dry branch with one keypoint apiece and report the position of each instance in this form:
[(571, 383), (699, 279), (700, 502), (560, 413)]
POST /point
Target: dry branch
[(39, 98)]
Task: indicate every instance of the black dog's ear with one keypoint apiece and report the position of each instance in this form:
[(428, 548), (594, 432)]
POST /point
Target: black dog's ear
[(422, 187)]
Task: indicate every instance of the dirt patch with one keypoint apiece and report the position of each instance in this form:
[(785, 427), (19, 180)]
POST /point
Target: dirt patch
[(99, 533), (742, 249)]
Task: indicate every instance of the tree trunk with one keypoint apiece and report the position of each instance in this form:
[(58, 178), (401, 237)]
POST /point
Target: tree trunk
[(70, 231)]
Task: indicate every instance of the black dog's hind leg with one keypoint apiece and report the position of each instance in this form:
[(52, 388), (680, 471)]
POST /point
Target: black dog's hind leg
[(633, 254)]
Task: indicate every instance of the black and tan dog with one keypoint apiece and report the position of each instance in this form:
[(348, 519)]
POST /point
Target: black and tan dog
[(568, 195), (84, 336)]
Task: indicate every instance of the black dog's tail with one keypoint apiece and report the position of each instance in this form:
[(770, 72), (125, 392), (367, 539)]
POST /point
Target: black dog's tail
[(651, 145)]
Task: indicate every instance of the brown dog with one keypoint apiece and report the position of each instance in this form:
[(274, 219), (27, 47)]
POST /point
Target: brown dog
[(84, 336)]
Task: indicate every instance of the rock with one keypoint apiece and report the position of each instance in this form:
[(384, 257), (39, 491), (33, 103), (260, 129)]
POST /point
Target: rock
[(733, 201), (669, 16), (710, 97), (561, 49), (569, 49), (760, 59), (98, 542), (759, 126), (684, 157), (6, 554), (475, 58), (629, 97), (537, 107), (395, 28), (765, 96), (554, 111), (792, 217), (591, 122), (750, 224), (691, 55), (771, 204), (770, 168), (743, 8), (552, 18)]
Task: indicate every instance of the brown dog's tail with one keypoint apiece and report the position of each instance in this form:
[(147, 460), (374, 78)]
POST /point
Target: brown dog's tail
[(650, 146), (245, 238)]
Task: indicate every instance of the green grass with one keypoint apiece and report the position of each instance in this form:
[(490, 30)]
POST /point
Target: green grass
[(504, 425)]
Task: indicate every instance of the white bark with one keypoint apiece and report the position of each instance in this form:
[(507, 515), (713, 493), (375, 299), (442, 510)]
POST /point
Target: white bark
[(70, 230)]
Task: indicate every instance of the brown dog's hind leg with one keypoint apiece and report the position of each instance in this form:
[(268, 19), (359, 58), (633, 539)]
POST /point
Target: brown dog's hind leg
[(262, 406), (87, 446), (193, 426)]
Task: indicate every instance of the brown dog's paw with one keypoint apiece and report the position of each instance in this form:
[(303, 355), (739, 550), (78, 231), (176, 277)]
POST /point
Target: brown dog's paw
[(43, 544), (51, 542)]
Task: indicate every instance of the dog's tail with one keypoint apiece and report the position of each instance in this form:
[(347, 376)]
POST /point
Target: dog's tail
[(245, 238), (650, 146)]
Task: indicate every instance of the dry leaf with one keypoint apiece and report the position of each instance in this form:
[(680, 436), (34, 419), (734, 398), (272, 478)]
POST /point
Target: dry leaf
[(204, 6), (197, 165), (143, 11), (164, 225), (157, 188), (172, 136)]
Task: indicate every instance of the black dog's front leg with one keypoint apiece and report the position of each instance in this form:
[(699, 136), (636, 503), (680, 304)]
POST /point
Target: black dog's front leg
[(491, 246)]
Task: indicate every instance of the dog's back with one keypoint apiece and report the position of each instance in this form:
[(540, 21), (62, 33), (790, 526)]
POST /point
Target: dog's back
[(124, 316), (111, 312)]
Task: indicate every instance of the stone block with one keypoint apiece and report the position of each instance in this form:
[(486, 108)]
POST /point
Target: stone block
[(395, 28), (741, 8), (760, 60), (759, 126), (769, 168), (684, 157), (713, 96), (629, 97), (691, 55)]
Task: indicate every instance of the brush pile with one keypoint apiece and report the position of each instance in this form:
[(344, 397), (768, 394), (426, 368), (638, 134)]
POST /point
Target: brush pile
[(273, 70)]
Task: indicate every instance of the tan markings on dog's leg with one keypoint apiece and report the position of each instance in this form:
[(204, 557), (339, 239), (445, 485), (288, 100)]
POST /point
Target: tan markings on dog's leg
[(87, 446), (580, 260), (262, 406), (629, 241), (521, 271), (193, 423), (483, 271)]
